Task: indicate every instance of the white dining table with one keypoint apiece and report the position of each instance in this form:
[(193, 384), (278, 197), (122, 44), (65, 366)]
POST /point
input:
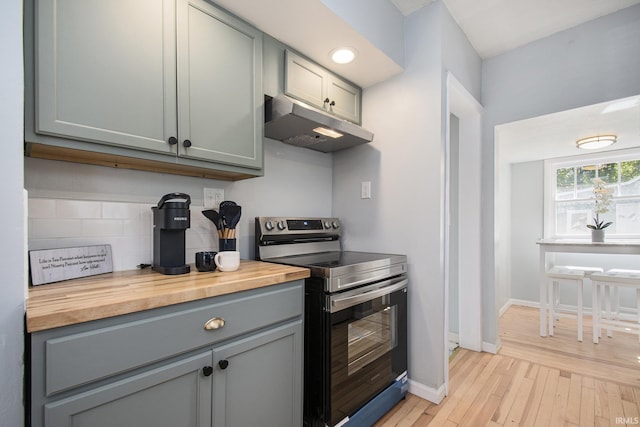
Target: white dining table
[(550, 246)]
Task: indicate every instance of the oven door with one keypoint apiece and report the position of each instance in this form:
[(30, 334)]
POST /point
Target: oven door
[(368, 343)]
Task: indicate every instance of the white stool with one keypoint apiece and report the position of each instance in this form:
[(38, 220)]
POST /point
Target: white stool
[(615, 279), (571, 274)]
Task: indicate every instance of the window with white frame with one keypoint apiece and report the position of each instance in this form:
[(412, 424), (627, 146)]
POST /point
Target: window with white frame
[(569, 199)]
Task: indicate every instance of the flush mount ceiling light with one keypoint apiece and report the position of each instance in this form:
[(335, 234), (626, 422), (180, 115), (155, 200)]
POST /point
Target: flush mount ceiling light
[(594, 142), (343, 55)]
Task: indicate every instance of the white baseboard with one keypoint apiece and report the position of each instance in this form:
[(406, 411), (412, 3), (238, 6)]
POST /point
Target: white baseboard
[(521, 302), (492, 348), (429, 393), (631, 316)]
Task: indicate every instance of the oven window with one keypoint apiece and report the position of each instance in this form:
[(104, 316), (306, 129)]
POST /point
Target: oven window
[(371, 336)]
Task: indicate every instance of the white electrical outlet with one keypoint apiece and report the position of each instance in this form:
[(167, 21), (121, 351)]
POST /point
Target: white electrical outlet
[(213, 197), (365, 190)]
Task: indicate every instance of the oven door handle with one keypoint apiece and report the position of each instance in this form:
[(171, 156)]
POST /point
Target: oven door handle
[(338, 303)]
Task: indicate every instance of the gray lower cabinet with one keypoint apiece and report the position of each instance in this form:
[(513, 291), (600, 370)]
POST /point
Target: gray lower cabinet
[(162, 368), (177, 394), (179, 78), (268, 358)]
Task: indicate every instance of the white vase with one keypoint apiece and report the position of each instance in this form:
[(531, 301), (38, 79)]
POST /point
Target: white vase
[(597, 235)]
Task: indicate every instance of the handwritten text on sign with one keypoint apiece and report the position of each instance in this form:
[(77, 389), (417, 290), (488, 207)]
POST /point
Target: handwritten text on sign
[(54, 265)]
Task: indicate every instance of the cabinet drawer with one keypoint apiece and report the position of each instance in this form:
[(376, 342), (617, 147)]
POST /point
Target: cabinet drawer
[(116, 345)]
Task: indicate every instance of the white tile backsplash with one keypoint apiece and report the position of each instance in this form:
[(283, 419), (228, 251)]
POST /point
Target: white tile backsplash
[(127, 227), (42, 208), (124, 210), (80, 209)]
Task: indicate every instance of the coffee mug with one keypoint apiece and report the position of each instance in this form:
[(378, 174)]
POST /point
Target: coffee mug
[(204, 261), (227, 260)]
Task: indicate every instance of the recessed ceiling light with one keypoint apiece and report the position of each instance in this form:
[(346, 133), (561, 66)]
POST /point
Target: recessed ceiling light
[(595, 142), (343, 55)]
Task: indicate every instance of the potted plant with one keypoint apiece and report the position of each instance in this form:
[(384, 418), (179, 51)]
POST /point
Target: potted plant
[(602, 196)]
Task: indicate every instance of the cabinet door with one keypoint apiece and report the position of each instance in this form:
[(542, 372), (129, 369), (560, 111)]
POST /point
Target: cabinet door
[(106, 71), (258, 380), (220, 99), (312, 84), (304, 80), (177, 394), (345, 99)]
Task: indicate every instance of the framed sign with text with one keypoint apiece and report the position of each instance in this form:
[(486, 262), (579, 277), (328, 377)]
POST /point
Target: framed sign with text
[(55, 265)]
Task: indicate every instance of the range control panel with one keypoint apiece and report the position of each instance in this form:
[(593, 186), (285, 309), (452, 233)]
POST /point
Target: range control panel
[(285, 225)]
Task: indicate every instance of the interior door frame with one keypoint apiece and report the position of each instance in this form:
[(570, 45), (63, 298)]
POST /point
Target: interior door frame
[(459, 102)]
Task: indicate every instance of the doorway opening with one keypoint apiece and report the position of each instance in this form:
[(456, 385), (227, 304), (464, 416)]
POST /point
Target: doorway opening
[(463, 315)]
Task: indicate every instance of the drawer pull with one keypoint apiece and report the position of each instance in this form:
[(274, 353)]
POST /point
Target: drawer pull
[(213, 324)]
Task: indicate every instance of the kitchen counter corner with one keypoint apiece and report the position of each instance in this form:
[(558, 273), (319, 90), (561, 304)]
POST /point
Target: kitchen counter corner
[(113, 294)]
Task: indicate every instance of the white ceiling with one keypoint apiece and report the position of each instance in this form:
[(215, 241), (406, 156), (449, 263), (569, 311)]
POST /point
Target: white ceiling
[(497, 26), (555, 135)]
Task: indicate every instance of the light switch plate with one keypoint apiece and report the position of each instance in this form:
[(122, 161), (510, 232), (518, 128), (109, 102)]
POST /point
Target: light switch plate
[(365, 190)]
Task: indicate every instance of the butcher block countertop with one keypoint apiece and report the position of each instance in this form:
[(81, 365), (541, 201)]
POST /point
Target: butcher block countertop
[(112, 294)]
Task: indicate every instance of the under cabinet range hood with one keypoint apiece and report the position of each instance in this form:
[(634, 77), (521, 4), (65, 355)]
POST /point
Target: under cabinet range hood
[(296, 123)]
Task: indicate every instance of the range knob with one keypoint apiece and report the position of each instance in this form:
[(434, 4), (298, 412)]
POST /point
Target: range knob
[(335, 224), (327, 224), (281, 225), (268, 225)]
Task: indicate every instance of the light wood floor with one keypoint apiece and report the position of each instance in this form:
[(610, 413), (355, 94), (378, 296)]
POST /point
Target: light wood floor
[(535, 381)]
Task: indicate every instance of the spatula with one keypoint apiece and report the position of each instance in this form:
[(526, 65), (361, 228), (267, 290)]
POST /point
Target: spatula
[(214, 217), (233, 217)]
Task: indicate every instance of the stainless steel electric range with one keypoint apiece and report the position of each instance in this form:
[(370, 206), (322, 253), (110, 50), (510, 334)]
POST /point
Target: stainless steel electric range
[(355, 358)]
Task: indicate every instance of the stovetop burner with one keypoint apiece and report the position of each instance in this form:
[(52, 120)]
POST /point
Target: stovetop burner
[(335, 259), (299, 242)]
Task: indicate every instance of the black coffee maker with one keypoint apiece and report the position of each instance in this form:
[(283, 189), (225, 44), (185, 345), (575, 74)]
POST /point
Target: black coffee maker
[(170, 220)]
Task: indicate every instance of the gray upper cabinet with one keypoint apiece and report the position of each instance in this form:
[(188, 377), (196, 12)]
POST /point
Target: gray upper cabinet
[(316, 86), (106, 71), (219, 86), (174, 77)]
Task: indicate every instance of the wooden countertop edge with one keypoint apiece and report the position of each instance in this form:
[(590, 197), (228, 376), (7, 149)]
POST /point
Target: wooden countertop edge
[(115, 294)]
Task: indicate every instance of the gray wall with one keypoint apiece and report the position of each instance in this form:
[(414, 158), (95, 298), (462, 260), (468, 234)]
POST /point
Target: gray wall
[(591, 63), (404, 165), (12, 254), (527, 217)]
